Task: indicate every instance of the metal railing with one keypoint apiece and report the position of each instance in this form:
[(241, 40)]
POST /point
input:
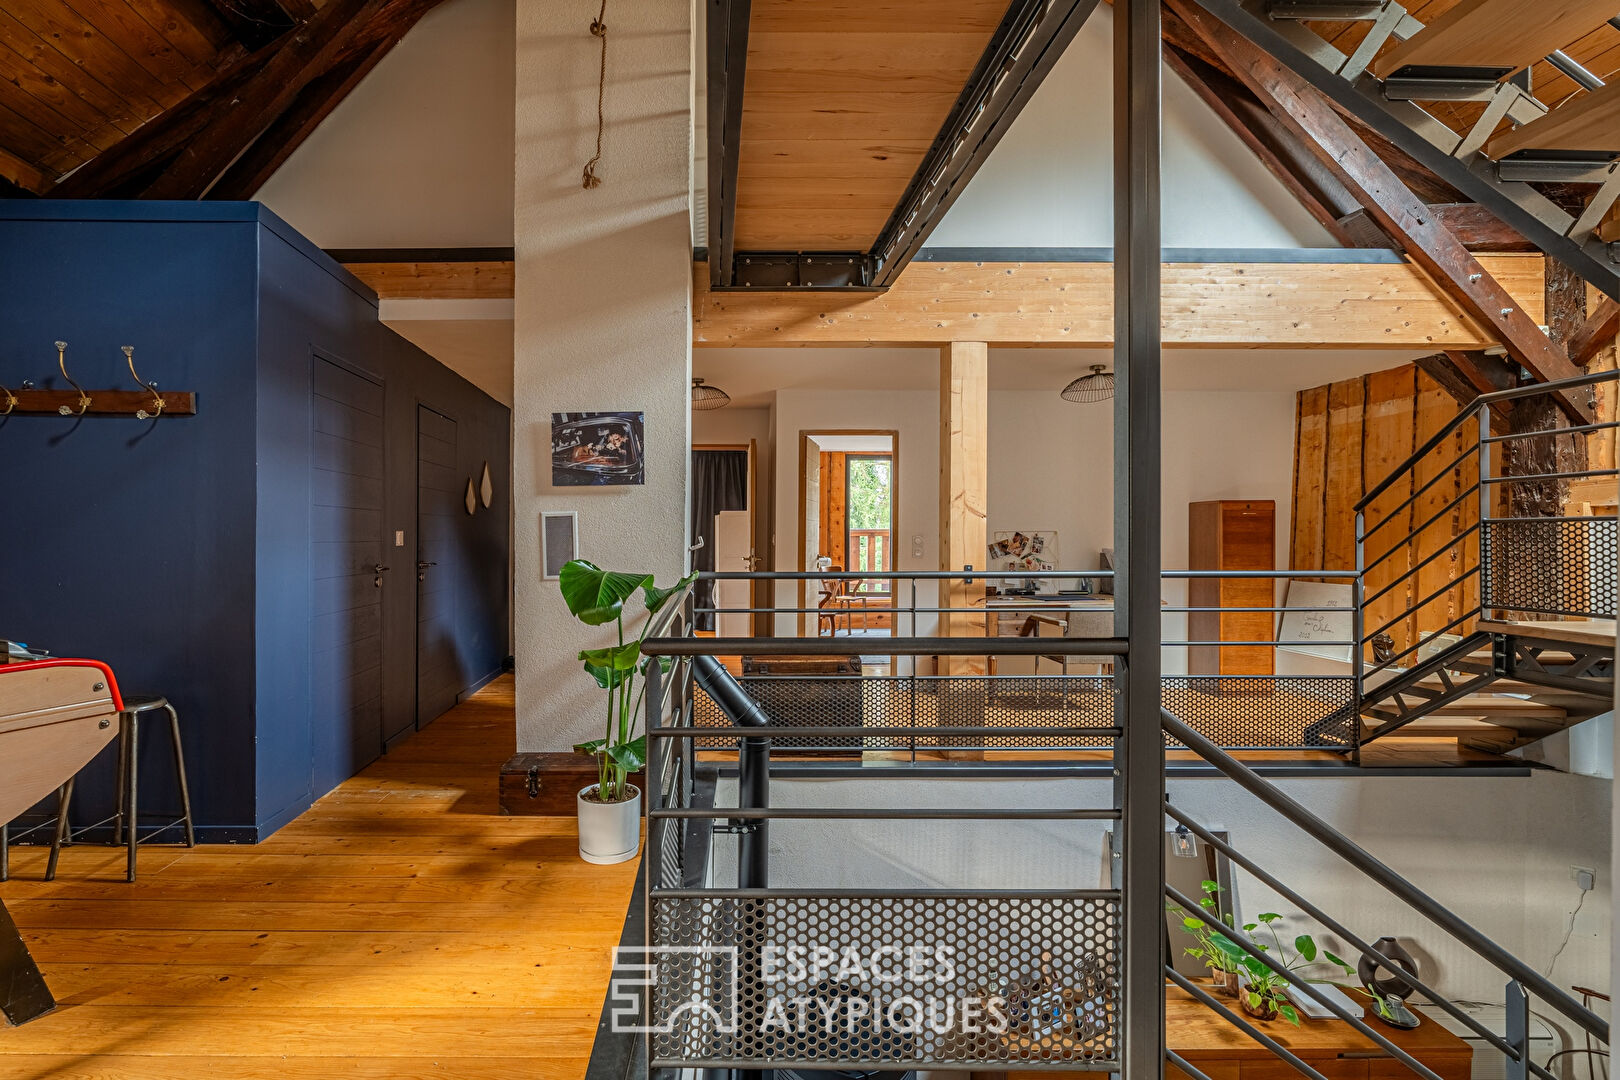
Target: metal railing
[(1524, 982), (1452, 551)]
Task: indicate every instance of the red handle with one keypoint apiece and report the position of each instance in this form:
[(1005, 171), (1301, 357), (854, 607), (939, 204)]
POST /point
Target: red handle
[(29, 665)]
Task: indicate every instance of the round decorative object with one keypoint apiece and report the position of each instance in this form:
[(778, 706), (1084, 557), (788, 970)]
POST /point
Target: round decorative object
[(708, 397), (1391, 990), (1098, 386), (486, 487), (472, 498)]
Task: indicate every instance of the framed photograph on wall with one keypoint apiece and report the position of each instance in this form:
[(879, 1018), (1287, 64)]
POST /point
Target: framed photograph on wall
[(559, 541), (597, 449)]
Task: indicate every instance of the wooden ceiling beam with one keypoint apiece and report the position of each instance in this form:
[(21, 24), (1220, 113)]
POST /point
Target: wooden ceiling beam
[(1332, 304), (254, 23), (248, 173), (1600, 329), (1392, 204), (1315, 188), (234, 122), (1478, 229)]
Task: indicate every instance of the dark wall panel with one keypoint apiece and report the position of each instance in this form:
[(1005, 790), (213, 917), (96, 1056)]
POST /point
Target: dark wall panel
[(127, 540)]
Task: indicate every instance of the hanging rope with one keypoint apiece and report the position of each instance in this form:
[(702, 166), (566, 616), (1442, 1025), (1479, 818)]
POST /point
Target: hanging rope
[(598, 29)]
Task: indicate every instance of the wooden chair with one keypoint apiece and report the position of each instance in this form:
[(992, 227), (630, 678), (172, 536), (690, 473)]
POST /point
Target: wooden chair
[(837, 599), (1083, 624)]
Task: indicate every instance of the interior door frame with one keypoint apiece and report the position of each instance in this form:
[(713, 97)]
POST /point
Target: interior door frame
[(801, 527), (418, 404), (751, 447)]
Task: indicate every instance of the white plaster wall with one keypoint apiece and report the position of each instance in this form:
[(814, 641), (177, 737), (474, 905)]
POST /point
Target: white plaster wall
[(602, 321), (1495, 850), (1049, 183), (420, 153)]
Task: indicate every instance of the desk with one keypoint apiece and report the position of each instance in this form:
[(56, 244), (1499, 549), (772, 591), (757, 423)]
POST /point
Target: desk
[(1005, 615), (1332, 1047)]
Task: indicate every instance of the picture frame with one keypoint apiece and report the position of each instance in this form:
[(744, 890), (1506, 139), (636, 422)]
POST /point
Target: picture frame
[(559, 541)]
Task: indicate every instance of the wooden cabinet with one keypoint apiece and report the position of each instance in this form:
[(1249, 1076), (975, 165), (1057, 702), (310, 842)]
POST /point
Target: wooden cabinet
[(1231, 534)]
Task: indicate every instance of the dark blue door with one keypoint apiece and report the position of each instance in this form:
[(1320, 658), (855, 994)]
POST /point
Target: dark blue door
[(441, 508), (347, 558)]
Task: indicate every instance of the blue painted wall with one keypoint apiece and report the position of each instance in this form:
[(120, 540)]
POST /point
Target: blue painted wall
[(178, 550)]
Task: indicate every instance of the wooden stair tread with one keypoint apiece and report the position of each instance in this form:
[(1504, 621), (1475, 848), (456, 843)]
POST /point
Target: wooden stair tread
[(1590, 121), (1496, 34), (1587, 632), (1489, 704)]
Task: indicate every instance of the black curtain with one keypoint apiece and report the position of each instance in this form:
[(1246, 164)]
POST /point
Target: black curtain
[(719, 482)]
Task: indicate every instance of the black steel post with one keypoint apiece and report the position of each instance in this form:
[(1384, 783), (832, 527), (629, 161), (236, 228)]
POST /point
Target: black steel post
[(1139, 756), (23, 993)]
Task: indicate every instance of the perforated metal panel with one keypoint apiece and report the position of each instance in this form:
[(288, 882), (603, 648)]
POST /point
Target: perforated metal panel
[(957, 979), (879, 705), (1261, 712), (1553, 566)]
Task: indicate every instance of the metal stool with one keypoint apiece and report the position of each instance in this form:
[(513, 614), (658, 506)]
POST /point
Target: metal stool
[(126, 819)]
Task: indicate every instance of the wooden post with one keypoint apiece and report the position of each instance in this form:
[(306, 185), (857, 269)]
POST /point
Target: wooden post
[(964, 458)]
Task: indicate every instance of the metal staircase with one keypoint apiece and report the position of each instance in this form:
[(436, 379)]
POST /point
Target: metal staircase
[(1518, 639)]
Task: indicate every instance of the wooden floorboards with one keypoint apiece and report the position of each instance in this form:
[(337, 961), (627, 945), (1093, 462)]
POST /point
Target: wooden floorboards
[(400, 929)]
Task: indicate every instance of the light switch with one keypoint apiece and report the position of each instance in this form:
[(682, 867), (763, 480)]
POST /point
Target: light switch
[(399, 537), (916, 545)]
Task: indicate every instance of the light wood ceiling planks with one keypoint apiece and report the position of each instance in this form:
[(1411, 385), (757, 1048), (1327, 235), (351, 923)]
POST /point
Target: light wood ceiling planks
[(1597, 50), (841, 101)]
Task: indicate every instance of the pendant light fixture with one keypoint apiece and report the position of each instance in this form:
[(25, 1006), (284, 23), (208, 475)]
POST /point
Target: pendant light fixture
[(1098, 386), (712, 397)]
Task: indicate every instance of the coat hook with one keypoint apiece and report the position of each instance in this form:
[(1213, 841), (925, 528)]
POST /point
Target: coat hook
[(84, 399), (149, 387)]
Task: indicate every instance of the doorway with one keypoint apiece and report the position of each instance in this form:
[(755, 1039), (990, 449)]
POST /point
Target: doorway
[(724, 526), (440, 505), (347, 559), (848, 520)]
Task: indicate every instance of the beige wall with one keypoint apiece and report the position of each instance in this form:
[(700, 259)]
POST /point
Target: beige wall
[(602, 321)]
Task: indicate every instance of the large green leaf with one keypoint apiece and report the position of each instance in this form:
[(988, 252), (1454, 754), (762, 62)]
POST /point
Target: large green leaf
[(1228, 946), (596, 596), (607, 677), (630, 756), (593, 747), (618, 657), (1305, 945), (656, 597)]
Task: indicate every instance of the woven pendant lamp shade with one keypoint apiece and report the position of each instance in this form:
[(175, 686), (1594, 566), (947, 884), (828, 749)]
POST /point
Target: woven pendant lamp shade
[(1098, 386), (708, 397)]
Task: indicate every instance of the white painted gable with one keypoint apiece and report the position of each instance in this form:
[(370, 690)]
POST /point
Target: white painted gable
[(1049, 183)]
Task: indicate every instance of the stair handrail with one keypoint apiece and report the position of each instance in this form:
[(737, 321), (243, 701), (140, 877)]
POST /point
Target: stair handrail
[(1375, 869), (1468, 411)]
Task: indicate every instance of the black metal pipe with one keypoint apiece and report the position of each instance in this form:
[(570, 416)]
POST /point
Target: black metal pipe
[(1351, 852), (754, 766)]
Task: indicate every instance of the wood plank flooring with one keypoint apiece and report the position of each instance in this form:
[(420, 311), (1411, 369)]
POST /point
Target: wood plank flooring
[(400, 929)]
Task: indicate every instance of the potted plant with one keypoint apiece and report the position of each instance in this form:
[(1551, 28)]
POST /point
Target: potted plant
[(1224, 966), (610, 809), (1263, 994)]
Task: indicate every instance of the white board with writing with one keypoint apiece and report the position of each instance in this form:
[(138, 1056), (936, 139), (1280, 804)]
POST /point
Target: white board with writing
[(1310, 631)]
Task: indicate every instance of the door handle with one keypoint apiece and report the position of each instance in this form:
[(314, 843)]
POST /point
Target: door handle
[(379, 569), (421, 569)]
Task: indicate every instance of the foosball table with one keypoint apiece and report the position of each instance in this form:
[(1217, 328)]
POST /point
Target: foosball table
[(55, 715)]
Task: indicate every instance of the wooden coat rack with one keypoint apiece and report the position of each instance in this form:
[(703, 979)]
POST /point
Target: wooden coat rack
[(147, 403)]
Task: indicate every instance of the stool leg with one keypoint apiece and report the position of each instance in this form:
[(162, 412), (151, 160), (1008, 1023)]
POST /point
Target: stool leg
[(130, 777), (64, 797), (180, 772), (123, 770), (5, 851)]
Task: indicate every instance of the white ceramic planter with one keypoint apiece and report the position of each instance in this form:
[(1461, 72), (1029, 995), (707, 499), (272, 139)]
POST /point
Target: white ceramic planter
[(609, 832)]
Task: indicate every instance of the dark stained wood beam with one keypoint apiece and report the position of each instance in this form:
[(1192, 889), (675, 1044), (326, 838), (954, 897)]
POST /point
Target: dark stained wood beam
[(1479, 229), (1466, 375), (248, 173), (1314, 187), (234, 122), (255, 23), (1600, 329), (1391, 203)]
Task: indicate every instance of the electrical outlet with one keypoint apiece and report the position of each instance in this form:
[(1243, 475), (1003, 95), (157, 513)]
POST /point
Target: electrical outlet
[(916, 545), (1585, 877)]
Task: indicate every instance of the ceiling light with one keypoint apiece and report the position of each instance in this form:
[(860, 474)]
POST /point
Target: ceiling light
[(1098, 386), (712, 397)]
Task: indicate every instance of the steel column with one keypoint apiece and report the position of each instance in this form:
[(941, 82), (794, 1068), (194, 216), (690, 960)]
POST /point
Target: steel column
[(1139, 783)]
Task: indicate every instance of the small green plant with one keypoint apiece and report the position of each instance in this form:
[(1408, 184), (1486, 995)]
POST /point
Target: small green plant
[(1263, 989), (1214, 957), (596, 597)]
